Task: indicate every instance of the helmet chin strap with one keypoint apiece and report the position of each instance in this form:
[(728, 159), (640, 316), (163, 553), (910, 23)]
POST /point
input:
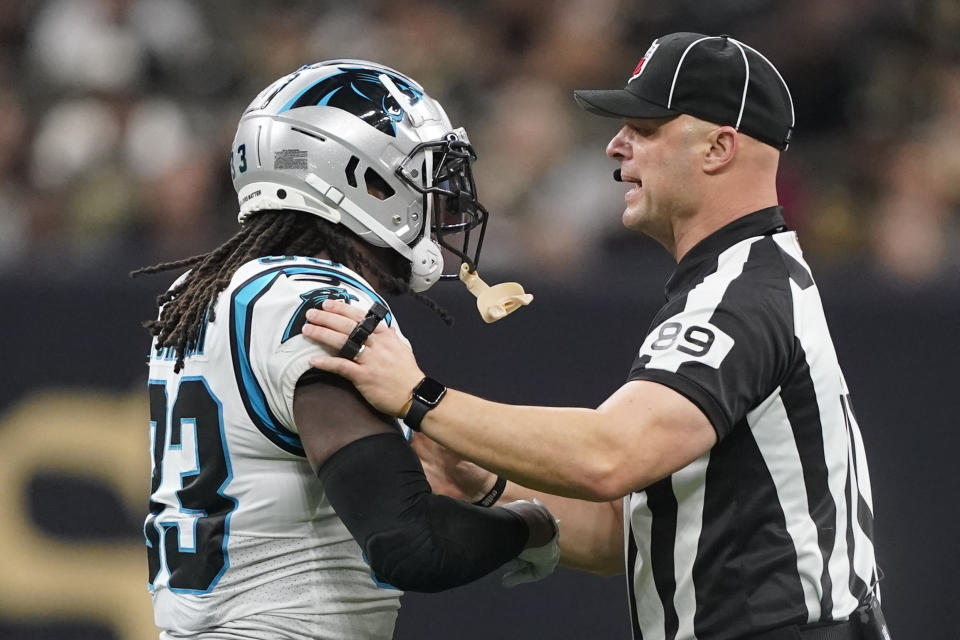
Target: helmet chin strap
[(427, 261), (425, 257), (345, 204)]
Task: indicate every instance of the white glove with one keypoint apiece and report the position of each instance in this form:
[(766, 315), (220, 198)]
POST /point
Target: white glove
[(533, 563)]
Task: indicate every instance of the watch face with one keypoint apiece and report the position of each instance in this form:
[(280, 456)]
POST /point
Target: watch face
[(429, 391)]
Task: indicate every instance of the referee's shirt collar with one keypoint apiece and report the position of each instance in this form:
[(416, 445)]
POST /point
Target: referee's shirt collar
[(703, 255)]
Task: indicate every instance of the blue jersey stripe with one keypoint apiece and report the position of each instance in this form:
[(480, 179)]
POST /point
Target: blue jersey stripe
[(329, 271), (243, 301)]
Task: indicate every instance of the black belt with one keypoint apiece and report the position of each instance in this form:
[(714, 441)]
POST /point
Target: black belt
[(866, 623), (832, 631)]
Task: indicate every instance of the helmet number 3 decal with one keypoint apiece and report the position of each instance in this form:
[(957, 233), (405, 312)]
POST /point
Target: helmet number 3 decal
[(242, 158)]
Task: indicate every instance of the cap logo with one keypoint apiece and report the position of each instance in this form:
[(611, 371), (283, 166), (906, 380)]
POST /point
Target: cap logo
[(644, 60)]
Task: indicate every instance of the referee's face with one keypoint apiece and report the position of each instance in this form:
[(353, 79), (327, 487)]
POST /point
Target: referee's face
[(658, 162)]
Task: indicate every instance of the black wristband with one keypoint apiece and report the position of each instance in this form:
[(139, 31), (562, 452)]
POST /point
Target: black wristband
[(494, 494)]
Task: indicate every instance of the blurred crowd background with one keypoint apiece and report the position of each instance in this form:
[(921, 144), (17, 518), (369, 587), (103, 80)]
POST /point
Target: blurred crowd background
[(116, 121), (116, 118)]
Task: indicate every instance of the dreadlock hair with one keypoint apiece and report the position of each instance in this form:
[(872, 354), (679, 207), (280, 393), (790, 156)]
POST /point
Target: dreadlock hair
[(189, 304)]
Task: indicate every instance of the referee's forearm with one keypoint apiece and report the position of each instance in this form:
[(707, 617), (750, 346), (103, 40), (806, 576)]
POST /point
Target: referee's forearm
[(591, 533), (555, 450)]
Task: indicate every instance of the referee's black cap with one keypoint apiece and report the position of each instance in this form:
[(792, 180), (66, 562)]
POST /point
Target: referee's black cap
[(714, 78)]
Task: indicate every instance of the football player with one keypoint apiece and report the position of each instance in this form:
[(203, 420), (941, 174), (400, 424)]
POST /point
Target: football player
[(282, 504)]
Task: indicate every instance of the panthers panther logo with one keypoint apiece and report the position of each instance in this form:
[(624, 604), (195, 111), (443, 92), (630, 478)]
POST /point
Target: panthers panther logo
[(313, 300), (360, 92)]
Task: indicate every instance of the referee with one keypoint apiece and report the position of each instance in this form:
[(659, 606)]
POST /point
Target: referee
[(730, 465)]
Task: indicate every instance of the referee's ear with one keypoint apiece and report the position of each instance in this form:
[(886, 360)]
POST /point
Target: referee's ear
[(723, 143)]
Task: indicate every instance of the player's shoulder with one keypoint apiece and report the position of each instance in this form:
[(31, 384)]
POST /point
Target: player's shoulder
[(277, 291), (302, 278)]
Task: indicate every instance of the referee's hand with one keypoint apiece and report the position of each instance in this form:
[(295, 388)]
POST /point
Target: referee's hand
[(386, 370)]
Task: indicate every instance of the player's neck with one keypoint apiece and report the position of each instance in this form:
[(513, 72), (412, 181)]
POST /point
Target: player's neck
[(373, 257)]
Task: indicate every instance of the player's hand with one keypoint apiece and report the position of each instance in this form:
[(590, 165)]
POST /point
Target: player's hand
[(542, 554), (449, 474), (385, 372)]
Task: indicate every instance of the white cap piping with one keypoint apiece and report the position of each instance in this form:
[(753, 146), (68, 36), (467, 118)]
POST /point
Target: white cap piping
[(680, 64)]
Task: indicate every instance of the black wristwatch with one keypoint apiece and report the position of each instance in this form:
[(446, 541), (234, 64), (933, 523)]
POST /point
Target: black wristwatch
[(426, 395)]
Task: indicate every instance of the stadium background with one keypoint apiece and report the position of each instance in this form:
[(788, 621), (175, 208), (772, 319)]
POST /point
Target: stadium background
[(116, 118)]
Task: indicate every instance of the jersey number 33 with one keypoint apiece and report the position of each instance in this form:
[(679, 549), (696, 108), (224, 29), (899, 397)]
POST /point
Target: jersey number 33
[(187, 548)]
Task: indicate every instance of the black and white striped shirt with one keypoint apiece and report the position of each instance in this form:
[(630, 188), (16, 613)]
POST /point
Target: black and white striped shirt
[(773, 525)]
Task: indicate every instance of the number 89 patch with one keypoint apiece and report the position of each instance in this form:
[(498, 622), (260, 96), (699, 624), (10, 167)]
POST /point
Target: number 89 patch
[(681, 340)]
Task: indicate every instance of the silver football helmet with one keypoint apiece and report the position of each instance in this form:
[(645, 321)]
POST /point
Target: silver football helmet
[(362, 145)]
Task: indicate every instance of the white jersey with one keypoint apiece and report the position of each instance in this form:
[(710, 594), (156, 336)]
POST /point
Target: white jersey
[(242, 542)]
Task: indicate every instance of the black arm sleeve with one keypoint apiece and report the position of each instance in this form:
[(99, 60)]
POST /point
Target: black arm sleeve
[(414, 540)]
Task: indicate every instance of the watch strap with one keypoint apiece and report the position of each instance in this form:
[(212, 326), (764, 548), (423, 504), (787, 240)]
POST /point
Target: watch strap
[(418, 410)]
